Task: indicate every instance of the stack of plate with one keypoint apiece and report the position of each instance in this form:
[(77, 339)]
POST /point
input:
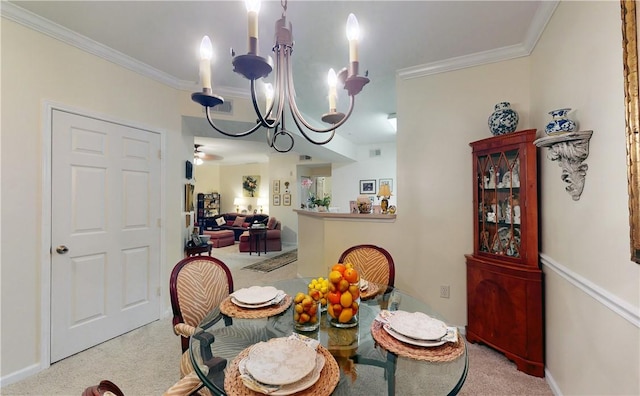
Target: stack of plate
[(364, 285), (257, 296), (416, 328), (280, 367)]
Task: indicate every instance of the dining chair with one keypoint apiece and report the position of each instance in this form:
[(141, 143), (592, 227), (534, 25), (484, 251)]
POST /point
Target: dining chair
[(198, 284), (374, 263), (105, 387)]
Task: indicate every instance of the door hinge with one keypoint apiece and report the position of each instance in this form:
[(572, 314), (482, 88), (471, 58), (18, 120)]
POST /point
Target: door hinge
[(159, 154), (159, 223), (158, 291)]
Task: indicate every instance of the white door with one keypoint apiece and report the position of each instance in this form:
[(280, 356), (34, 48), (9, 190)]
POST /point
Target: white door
[(105, 275)]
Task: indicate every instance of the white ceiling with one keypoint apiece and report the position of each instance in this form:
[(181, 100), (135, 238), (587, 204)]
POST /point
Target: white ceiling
[(399, 38)]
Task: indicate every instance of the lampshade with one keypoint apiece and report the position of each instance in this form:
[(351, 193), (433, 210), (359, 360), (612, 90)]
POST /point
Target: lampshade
[(384, 191), (237, 201), (262, 201)]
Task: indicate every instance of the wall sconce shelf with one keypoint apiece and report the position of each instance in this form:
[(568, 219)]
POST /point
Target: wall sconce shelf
[(570, 150)]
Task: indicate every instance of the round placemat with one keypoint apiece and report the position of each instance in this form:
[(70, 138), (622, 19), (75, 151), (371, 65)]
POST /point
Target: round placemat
[(329, 377), (371, 291), (232, 310), (443, 353)]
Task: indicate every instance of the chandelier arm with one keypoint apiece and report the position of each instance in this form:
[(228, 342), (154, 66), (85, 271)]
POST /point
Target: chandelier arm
[(309, 138), (241, 134), (262, 121), (296, 113), (286, 133)]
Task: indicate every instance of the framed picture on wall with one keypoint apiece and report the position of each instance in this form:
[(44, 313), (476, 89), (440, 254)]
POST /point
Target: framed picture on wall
[(368, 186), (188, 197), (276, 186), (276, 199), (286, 199)]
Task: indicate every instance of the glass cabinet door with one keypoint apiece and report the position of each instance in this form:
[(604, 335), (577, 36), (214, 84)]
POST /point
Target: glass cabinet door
[(499, 211)]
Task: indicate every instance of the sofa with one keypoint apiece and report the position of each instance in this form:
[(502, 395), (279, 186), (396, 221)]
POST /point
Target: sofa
[(274, 241), (237, 222)]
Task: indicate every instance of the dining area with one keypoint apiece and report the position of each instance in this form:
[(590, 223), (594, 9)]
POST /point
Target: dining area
[(347, 332)]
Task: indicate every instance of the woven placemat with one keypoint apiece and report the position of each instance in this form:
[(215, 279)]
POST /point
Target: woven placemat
[(232, 310), (443, 353), (371, 291), (329, 377)]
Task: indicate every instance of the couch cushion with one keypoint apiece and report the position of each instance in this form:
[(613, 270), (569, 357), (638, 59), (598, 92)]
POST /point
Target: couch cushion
[(238, 221), (271, 223)]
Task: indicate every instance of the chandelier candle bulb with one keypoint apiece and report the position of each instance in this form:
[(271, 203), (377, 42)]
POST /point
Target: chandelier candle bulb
[(268, 93), (206, 53), (253, 7), (353, 35), (332, 79)]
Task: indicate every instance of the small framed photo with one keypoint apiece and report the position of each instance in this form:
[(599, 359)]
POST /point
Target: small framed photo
[(276, 186), (353, 206), (286, 199), (368, 186), (276, 199), (387, 181)]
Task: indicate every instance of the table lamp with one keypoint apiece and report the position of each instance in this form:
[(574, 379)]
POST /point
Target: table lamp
[(237, 202), (385, 193)]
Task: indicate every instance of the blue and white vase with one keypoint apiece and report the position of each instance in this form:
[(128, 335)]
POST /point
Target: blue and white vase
[(560, 123), (503, 120)]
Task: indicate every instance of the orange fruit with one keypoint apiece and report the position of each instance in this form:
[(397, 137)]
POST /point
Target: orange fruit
[(334, 297), (345, 315), (354, 307), (339, 267), (351, 275), (346, 300), (343, 286), (335, 276), (337, 309)]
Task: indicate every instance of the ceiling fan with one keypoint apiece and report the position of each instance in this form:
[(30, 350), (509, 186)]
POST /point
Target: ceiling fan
[(199, 155)]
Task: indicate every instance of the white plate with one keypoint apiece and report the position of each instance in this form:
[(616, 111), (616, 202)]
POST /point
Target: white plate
[(411, 341), (255, 294), (297, 386), (280, 361), (261, 305), (417, 325), (364, 285)]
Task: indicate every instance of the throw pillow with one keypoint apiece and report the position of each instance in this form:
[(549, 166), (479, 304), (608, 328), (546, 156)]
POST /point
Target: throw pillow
[(238, 221), (220, 221), (271, 223)]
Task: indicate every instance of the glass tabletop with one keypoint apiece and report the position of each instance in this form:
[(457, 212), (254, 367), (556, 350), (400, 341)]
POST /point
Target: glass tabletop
[(366, 368)]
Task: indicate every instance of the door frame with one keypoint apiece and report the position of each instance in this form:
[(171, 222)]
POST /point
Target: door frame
[(46, 248)]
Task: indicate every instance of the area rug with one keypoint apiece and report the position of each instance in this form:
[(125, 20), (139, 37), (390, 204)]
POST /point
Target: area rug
[(273, 263)]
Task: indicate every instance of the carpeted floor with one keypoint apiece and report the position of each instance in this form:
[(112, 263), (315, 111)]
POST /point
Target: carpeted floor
[(146, 361)]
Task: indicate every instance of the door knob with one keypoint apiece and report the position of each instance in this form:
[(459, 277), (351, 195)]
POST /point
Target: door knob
[(62, 249)]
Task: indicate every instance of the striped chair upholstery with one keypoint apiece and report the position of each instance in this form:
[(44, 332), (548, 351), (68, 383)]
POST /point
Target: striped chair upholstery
[(197, 285), (374, 263)]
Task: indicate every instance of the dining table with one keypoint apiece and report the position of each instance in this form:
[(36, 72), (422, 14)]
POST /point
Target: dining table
[(361, 360)]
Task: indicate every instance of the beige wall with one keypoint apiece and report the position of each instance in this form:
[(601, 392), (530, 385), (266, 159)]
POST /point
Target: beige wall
[(585, 243)]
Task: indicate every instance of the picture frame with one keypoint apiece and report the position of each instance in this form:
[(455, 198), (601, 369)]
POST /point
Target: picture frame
[(368, 186), (386, 181), (188, 197), (286, 199), (353, 206), (276, 199), (250, 185), (632, 119), (276, 186)]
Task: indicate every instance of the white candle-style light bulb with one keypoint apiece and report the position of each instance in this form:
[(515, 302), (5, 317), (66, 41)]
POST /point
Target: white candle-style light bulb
[(268, 93), (332, 80), (353, 35), (253, 7), (206, 53)]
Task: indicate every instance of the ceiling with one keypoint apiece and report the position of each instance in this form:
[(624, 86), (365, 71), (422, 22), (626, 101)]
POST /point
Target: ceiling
[(398, 39)]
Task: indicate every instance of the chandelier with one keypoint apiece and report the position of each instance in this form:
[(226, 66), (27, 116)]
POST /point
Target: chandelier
[(254, 67)]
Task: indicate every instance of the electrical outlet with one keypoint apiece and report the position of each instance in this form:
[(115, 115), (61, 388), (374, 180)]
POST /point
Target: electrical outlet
[(444, 291)]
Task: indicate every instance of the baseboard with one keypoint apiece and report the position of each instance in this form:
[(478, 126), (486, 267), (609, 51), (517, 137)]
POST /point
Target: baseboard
[(551, 382), (20, 375)]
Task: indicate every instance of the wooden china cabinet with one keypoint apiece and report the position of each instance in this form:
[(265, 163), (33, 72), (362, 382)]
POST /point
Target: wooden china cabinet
[(504, 280)]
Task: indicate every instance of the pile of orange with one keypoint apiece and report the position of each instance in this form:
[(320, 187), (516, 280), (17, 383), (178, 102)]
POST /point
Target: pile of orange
[(344, 291)]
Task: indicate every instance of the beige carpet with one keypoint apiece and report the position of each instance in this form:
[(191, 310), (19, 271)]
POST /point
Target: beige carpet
[(145, 361)]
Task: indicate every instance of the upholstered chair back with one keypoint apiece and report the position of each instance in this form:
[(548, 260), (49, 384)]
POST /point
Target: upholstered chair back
[(198, 284), (374, 263)]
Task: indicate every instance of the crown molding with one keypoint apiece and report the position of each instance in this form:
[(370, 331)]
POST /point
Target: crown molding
[(35, 22), (540, 20)]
